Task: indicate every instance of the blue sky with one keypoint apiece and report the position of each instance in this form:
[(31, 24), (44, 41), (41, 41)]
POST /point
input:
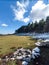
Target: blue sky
[(15, 13)]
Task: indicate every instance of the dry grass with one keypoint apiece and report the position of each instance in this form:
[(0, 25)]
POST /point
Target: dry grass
[(8, 43)]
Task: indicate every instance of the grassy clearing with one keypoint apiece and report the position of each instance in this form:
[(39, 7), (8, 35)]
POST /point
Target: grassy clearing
[(10, 43)]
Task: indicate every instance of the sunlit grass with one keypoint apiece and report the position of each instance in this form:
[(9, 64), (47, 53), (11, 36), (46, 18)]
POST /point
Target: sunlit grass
[(13, 41)]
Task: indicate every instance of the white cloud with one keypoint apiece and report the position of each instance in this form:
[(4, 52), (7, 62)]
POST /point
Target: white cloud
[(4, 25), (20, 11), (39, 10), (22, 4), (26, 19)]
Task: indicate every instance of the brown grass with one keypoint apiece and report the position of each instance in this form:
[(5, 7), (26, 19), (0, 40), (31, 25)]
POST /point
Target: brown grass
[(10, 43)]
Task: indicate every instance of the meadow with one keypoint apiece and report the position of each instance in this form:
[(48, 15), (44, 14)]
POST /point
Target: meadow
[(10, 43)]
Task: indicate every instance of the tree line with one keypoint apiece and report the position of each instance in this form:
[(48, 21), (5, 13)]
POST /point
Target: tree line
[(37, 27)]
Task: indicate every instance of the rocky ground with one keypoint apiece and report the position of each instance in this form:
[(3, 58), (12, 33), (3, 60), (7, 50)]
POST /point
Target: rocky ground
[(24, 57)]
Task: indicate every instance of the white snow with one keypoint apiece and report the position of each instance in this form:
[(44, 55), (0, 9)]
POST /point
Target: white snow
[(36, 49), (19, 57), (24, 63), (38, 43), (35, 52), (47, 40)]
